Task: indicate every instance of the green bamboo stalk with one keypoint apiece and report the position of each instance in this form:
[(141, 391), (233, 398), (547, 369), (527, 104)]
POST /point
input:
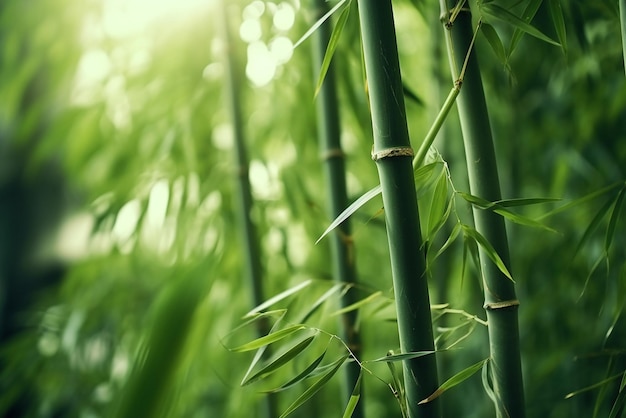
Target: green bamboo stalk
[(622, 18), (235, 79), (501, 302), (392, 154), (342, 249)]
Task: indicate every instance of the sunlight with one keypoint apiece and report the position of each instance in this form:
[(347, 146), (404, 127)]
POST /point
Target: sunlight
[(124, 18)]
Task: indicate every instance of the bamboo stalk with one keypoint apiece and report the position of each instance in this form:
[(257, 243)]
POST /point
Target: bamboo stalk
[(500, 299), (342, 248), (249, 239), (392, 154)]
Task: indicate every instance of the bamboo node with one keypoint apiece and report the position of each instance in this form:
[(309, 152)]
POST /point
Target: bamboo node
[(332, 153), (392, 152), (501, 305)]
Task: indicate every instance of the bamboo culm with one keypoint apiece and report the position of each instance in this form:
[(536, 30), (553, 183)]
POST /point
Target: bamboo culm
[(342, 251), (392, 154), (501, 301), (249, 239)]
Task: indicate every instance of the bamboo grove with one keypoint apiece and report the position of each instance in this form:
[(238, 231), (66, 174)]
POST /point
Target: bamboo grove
[(353, 208)]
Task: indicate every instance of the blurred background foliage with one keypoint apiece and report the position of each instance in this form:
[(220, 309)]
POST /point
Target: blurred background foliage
[(117, 179)]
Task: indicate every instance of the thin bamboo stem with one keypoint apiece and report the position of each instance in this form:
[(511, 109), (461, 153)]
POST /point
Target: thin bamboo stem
[(342, 249), (249, 237), (392, 154), (501, 301), (622, 18)]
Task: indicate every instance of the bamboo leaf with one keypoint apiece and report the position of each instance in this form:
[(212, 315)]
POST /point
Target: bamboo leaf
[(410, 94), (280, 360), (332, 45), (527, 15), (354, 398), (499, 208), (455, 380), (278, 298), (451, 238), (358, 304), (500, 13), (594, 386), (313, 389), (320, 301), (488, 248), (366, 197), (507, 203), (556, 11), (319, 23), (396, 384), (436, 215), (401, 356), (618, 405), (268, 339), (617, 210), (595, 222), (494, 41), (427, 175), (302, 375), (584, 199)]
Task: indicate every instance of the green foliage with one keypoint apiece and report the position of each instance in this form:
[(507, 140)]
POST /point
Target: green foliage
[(141, 146)]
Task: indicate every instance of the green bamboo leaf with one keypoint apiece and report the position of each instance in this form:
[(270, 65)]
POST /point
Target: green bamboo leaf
[(354, 397), (595, 222), (494, 41), (278, 298), (401, 356), (455, 380), (488, 248), (320, 301), (300, 376), (556, 11), (280, 360), (584, 199), (617, 210), (436, 215), (618, 405), (396, 384), (507, 203), (410, 94), (366, 197), (498, 12), (332, 45), (358, 304), (499, 208), (527, 15), (313, 389), (268, 339), (427, 175), (594, 386), (451, 238), (319, 23)]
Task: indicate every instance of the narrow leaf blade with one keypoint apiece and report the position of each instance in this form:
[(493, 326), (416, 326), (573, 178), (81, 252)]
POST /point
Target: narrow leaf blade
[(366, 197), (455, 380), (500, 13), (313, 389), (332, 45), (268, 339)]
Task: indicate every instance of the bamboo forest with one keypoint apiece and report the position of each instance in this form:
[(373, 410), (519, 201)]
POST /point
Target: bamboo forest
[(312, 208)]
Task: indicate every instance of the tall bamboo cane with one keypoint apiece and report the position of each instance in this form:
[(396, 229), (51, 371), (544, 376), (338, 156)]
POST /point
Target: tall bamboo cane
[(344, 269), (392, 153), (501, 302), (249, 237)]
